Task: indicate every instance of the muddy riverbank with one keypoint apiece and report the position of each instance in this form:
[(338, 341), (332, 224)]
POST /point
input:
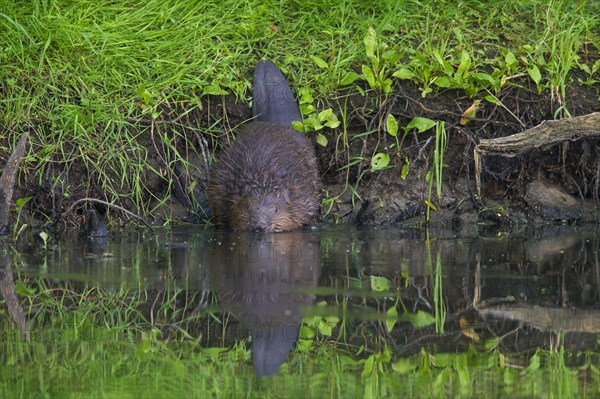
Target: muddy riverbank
[(556, 183)]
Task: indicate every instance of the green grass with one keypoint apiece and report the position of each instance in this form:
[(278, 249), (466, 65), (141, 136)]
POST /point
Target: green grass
[(106, 84)]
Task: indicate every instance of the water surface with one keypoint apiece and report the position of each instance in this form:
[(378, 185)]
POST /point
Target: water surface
[(275, 303)]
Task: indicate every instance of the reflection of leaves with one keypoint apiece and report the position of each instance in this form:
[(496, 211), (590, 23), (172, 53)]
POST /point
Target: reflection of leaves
[(418, 320), (323, 324), (21, 289), (375, 362), (467, 330), (534, 364), (380, 284), (368, 368), (391, 317), (404, 366)]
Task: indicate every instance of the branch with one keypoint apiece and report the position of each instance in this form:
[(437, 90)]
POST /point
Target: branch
[(546, 133)]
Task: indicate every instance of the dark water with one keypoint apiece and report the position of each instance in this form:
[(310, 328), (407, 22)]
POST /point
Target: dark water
[(522, 286)]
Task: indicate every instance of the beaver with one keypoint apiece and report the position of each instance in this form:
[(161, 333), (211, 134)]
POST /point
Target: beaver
[(267, 179)]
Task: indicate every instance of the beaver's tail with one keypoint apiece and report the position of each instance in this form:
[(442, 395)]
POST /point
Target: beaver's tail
[(273, 100)]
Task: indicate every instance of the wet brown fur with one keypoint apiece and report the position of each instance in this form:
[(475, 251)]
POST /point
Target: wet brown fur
[(266, 180)]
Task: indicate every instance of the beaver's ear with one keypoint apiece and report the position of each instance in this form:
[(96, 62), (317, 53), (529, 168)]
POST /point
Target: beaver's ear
[(272, 98)]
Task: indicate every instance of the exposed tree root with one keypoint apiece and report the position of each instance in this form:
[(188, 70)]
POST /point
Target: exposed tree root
[(546, 133), (7, 181)]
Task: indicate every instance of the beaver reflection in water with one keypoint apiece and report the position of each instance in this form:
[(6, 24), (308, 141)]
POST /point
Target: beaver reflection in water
[(267, 180)]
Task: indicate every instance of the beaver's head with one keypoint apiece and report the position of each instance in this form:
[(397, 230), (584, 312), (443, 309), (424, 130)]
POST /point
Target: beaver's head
[(269, 212)]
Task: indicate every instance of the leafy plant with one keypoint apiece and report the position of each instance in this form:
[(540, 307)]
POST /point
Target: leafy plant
[(18, 226), (435, 175), (314, 121)]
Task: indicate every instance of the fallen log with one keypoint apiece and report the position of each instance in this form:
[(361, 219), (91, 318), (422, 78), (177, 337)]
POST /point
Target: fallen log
[(546, 133)]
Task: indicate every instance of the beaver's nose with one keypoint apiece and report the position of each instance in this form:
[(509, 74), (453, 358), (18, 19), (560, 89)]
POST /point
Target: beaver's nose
[(262, 224)]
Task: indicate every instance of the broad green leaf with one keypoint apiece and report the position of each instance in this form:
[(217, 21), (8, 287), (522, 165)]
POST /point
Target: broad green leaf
[(404, 73), (379, 161), (322, 140), (306, 97), (306, 332), (444, 359), (391, 125), (299, 126), (387, 86), (420, 123), (596, 66), (405, 170), (325, 114), (534, 74), (465, 63), (20, 202), (510, 60), (493, 99), (214, 90), (325, 328), (485, 78), (534, 363), (349, 78), (446, 66), (144, 95), (368, 75), (307, 109), (332, 122), (446, 82), (312, 123), (311, 320), (320, 62), (370, 42)]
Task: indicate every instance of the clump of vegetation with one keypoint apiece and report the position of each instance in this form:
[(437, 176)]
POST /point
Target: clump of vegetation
[(117, 95)]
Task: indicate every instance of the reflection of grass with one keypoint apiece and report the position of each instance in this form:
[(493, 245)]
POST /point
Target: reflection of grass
[(439, 306), (126, 357), (92, 342)]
